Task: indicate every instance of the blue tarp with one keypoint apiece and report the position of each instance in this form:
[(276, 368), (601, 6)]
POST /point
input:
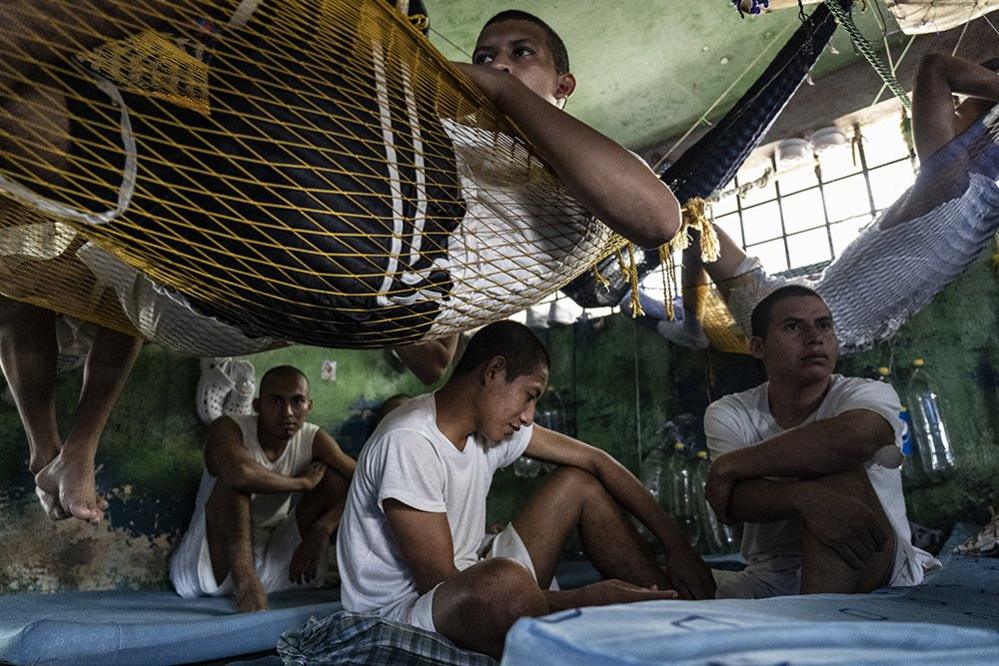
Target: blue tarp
[(952, 618), (146, 628)]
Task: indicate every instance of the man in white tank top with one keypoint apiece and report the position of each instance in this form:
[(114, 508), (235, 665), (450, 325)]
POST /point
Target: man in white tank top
[(270, 500), (809, 463)]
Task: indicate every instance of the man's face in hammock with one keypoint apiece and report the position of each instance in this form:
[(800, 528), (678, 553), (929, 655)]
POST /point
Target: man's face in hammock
[(521, 48)]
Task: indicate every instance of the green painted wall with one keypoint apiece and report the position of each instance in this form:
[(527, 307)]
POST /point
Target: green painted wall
[(618, 379)]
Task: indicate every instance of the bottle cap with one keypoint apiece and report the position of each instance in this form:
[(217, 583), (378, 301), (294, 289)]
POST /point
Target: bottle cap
[(703, 455), (918, 363), (884, 371)]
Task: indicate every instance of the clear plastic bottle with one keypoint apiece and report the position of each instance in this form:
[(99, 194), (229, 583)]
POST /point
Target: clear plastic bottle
[(676, 461), (929, 429), (911, 465), (686, 497), (719, 537), (652, 471)]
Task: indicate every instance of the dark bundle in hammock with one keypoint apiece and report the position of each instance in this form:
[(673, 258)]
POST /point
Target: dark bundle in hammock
[(313, 177)]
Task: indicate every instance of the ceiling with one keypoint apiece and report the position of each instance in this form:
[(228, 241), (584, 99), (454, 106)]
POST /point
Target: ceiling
[(647, 70)]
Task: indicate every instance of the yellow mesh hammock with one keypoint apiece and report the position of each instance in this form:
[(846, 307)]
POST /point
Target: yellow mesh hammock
[(216, 176)]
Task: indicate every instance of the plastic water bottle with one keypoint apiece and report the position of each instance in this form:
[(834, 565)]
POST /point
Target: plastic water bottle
[(932, 440), (685, 499), (652, 471), (719, 538), (911, 464), (676, 461)]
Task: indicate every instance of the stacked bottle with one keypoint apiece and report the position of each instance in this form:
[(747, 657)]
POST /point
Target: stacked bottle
[(686, 491), (720, 539), (911, 465), (929, 430)]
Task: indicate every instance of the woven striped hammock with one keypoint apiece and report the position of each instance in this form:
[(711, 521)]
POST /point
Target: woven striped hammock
[(215, 177)]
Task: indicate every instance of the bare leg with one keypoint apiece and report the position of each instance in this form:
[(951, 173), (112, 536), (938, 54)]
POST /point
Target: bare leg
[(476, 607), (938, 78), (726, 267), (70, 475), (230, 545), (823, 570), (318, 514), (28, 357), (573, 498)]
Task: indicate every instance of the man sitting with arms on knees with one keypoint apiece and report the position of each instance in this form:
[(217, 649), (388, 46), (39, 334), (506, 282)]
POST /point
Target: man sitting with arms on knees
[(248, 535), (809, 461), (413, 548)]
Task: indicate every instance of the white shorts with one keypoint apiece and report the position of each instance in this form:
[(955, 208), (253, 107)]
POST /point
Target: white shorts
[(781, 576), (420, 613), (191, 565)]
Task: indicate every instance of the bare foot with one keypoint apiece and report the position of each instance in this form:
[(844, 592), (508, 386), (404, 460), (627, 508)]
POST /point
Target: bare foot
[(250, 595), (72, 483), (50, 505), (49, 502)]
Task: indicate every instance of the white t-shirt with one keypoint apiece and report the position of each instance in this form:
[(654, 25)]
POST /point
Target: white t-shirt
[(408, 459), (744, 419)]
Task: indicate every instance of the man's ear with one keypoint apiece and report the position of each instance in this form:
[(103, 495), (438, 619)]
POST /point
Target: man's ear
[(756, 347), (495, 368), (256, 405), (566, 86)]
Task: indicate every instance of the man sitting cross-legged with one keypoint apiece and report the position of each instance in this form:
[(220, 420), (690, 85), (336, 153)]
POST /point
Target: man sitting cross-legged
[(412, 547), (809, 461), (249, 536)]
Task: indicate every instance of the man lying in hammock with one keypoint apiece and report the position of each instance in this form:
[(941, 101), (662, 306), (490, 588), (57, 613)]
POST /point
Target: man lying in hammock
[(915, 248), (604, 177)]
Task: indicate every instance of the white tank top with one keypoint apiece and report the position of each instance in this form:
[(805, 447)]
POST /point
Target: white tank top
[(269, 510)]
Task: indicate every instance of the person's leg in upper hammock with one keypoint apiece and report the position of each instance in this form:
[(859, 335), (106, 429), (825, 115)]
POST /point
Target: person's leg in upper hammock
[(936, 122), (935, 119), (63, 469)]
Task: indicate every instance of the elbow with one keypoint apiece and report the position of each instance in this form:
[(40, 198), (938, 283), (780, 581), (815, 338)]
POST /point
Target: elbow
[(431, 372), (660, 220)]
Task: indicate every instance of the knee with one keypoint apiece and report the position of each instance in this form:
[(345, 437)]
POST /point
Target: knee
[(579, 480), (931, 64), (503, 591), (223, 501)]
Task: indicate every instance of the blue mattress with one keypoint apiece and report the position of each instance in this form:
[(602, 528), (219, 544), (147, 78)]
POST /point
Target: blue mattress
[(146, 628), (952, 618)]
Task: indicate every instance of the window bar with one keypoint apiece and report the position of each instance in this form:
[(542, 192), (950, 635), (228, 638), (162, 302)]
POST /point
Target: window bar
[(780, 212), (825, 209), (863, 169)]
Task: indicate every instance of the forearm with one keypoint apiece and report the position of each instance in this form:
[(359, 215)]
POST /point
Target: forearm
[(825, 447), (251, 477), (628, 492), (613, 185)]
